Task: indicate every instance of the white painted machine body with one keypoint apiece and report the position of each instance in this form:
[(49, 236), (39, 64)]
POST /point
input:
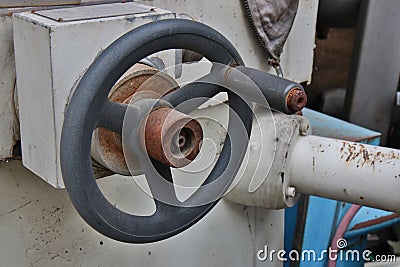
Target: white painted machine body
[(38, 220), (51, 56)]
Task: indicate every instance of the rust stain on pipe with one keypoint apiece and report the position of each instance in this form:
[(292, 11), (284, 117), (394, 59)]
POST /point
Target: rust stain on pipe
[(375, 221), (360, 155), (172, 137)]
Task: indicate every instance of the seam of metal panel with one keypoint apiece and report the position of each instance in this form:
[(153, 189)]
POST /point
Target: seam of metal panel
[(57, 147), (9, 11), (79, 13)]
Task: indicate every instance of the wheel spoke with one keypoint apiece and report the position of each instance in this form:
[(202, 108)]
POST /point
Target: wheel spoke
[(112, 116), (159, 178), (197, 93)]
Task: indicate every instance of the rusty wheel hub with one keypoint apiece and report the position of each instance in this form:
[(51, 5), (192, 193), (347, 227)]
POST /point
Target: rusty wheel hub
[(170, 136)]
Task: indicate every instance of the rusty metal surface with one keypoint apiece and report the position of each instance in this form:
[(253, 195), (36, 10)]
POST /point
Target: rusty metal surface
[(331, 65), (346, 171), (138, 82), (359, 154), (296, 100), (374, 222), (172, 137)]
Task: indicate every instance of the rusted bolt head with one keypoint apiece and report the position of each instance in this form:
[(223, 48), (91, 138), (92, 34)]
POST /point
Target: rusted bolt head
[(172, 137), (296, 100)]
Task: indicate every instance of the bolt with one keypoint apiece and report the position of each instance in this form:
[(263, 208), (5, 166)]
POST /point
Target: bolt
[(296, 100), (304, 127), (290, 191)]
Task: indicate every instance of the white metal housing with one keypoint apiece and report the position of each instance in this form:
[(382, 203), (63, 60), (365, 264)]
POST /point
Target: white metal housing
[(52, 53)]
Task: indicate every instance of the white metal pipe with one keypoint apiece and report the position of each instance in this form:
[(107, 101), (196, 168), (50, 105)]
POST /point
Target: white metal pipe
[(347, 171)]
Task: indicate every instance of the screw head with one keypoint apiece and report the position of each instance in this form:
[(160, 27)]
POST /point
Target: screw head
[(290, 191)]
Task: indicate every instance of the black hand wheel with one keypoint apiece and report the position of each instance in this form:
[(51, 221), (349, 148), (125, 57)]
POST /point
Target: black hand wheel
[(90, 108)]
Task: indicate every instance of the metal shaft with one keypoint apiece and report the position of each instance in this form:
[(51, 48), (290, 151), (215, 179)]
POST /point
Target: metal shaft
[(347, 171)]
